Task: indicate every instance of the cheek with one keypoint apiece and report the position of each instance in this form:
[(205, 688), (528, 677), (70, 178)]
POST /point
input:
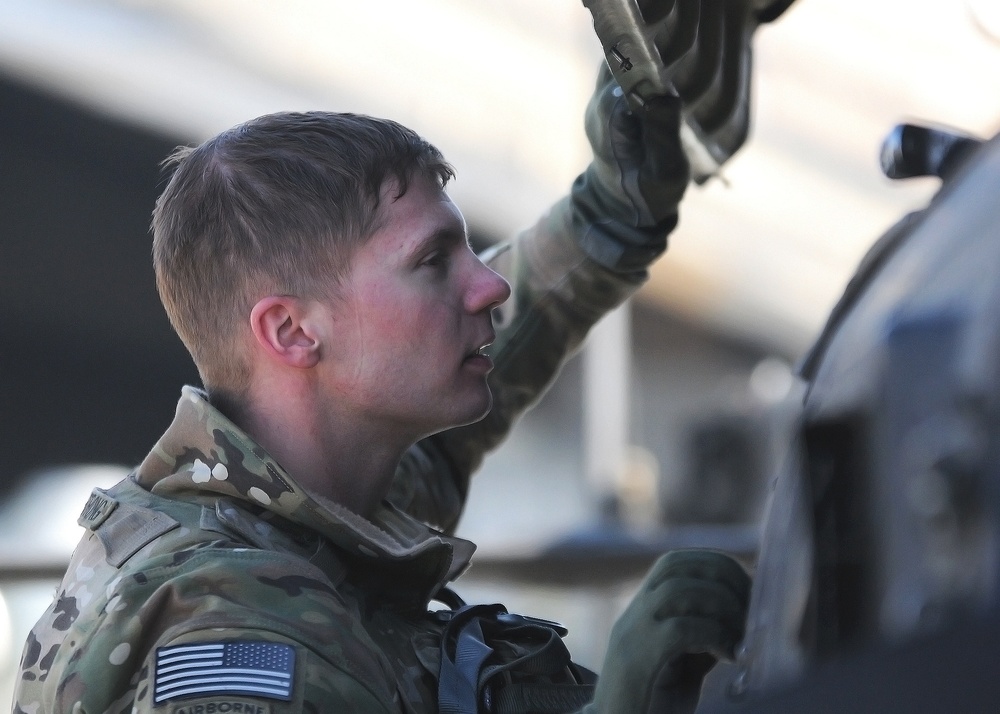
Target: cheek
[(395, 325)]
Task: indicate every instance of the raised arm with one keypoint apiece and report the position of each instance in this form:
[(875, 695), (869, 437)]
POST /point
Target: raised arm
[(580, 260)]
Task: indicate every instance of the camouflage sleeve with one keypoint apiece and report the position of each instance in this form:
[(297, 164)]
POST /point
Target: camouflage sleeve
[(245, 671), (558, 294), (108, 645)]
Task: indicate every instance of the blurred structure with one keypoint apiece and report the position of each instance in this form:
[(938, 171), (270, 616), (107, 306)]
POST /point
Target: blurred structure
[(881, 551), (88, 365)]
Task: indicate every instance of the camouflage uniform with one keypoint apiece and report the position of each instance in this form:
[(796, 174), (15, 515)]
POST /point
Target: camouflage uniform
[(211, 544)]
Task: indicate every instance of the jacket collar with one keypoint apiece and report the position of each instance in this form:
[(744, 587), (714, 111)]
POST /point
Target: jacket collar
[(203, 452)]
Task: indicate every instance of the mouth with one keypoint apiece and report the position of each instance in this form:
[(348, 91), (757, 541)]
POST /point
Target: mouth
[(479, 353)]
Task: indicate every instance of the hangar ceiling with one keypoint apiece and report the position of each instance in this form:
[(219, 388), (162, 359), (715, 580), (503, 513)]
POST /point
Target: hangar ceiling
[(500, 86)]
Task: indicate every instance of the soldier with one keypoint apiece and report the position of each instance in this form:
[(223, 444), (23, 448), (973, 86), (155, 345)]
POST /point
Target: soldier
[(272, 552)]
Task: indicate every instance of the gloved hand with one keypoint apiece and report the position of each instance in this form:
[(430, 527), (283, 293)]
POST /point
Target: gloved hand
[(699, 49), (689, 612), (625, 203)]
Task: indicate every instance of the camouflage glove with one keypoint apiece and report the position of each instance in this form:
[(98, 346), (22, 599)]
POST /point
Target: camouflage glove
[(625, 203), (689, 612)]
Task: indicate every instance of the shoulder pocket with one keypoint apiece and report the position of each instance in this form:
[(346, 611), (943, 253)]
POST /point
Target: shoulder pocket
[(123, 528)]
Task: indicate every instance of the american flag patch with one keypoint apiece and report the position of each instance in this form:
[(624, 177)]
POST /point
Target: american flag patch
[(257, 669)]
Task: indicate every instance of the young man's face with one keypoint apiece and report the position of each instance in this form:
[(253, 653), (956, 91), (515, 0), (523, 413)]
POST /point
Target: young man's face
[(411, 317)]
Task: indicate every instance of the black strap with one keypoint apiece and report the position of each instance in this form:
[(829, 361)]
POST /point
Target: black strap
[(468, 685), (458, 679), (541, 698), (449, 597)]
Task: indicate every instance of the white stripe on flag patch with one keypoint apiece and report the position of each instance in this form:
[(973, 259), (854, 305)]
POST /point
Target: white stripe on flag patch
[(260, 669)]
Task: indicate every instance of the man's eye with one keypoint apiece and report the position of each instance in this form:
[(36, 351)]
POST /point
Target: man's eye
[(436, 260)]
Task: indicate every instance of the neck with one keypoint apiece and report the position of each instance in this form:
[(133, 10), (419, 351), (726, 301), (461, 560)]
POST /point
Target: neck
[(326, 452)]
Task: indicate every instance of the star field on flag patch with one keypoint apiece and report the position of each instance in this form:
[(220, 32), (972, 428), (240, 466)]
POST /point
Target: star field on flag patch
[(256, 669)]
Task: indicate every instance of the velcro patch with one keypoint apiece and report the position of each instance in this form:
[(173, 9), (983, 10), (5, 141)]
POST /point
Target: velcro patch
[(99, 506), (207, 669)]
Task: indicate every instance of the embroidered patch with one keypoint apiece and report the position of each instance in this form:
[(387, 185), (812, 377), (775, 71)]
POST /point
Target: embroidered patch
[(256, 669), (99, 506), (225, 706)]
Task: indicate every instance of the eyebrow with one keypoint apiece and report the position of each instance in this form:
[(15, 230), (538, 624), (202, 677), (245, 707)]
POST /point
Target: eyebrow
[(444, 236)]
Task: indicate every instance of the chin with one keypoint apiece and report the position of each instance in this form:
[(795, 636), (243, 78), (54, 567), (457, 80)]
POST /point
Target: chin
[(477, 415), (474, 413)]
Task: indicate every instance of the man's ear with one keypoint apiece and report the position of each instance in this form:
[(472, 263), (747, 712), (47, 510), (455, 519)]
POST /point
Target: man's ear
[(286, 329)]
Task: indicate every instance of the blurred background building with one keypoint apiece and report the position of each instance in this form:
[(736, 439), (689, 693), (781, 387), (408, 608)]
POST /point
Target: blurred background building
[(662, 432)]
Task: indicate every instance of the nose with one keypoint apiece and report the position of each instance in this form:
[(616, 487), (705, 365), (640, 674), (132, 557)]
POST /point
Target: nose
[(487, 290)]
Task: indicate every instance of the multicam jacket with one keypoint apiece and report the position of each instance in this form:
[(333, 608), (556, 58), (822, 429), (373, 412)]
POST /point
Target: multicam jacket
[(208, 581)]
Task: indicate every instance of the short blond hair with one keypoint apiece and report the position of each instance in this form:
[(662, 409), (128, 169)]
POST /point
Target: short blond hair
[(273, 206)]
